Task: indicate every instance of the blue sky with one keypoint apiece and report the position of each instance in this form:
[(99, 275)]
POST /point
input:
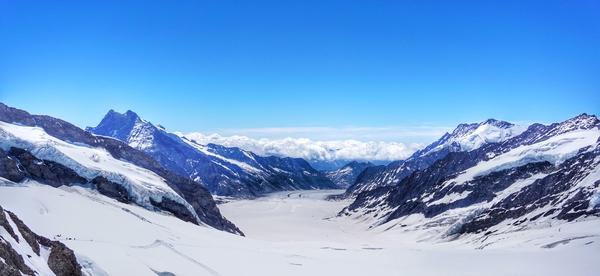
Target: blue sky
[(244, 66)]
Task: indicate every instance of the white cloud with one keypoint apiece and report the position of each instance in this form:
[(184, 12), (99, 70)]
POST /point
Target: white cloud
[(311, 149), (419, 134)]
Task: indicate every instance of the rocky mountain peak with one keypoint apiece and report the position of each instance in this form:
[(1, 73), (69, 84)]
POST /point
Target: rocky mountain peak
[(582, 121), (469, 128), (117, 125)]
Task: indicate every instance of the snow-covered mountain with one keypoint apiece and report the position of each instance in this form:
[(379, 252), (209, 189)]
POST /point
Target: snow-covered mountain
[(56, 153), (226, 171), (23, 252), (531, 201), (347, 174), (545, 175), (465, 137)]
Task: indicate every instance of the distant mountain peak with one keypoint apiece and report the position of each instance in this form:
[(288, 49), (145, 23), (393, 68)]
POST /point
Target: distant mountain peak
[(498, 123), (114, 117), (466, 129), (467, 137), (223, 170), (346, 175), (122, 126), (131, 113), (583, 120)]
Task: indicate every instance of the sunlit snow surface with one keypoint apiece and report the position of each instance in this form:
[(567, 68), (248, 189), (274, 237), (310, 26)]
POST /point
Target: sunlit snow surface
[(90, 162), (486, 133), (295, 235), (555, 150)]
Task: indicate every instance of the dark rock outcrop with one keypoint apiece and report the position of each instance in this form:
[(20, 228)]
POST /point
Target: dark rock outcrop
[(176, 208), (61, 260), (45, 171), (111, 189), (9, 168)]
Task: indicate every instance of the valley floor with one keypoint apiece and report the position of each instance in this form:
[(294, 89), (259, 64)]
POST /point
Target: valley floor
[(291, 233)]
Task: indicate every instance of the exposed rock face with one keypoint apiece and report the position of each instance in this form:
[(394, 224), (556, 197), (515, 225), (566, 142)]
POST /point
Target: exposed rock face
[(175, 208), (9, 168), (545, 173), (48, 172), (346, 175), (111, 189), (61, 260), (52, 173), (223, 170)]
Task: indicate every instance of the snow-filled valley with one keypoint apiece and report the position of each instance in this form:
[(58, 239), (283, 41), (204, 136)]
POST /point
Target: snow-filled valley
[(488, 199), (288, 233)]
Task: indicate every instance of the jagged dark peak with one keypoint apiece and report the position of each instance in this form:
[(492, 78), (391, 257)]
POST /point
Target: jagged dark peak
[(117, 125), (114, 116), (130, 113)]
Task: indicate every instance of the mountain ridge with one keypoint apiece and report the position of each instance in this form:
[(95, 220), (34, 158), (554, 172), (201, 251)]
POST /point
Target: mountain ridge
[(17, 123), (227, 171), (463, 137), (546, 173)]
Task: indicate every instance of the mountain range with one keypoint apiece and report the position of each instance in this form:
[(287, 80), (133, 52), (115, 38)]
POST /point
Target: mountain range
[(486, 179), (53, 152), (224, 171), (481, 184), (465, 137)]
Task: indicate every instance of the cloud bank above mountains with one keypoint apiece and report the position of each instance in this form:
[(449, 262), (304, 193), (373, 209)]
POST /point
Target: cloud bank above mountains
[(407, 134), (311, 149)]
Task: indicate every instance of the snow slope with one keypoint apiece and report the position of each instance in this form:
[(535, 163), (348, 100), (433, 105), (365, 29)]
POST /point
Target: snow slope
[(472, 136), (88, 162), (128, 240), (555, 150)]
